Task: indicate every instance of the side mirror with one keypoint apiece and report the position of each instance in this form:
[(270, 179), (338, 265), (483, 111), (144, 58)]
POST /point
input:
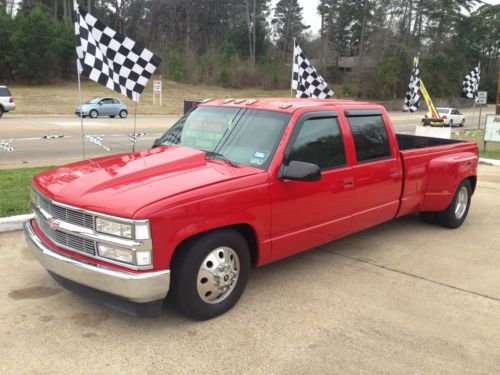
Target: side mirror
[(301, 171)]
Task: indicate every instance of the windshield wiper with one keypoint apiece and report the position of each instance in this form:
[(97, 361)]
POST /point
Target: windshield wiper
[(218, 155)]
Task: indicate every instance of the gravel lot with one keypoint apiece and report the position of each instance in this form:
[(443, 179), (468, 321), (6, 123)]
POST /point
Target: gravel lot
[(404, 297)]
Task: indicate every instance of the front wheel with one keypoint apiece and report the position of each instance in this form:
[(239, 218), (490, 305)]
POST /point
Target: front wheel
[(123, 113), (451, 123), (462, 123), (209, 273), (93, 113)]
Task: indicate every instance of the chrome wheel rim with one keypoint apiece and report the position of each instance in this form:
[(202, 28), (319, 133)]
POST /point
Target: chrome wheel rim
[(462, 200), (218, 275)]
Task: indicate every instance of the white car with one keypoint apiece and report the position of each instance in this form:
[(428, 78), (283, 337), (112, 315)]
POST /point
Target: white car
[(450, 116), (6, 100)]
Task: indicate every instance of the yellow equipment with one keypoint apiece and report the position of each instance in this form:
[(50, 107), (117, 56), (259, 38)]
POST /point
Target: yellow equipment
[(435, 119)]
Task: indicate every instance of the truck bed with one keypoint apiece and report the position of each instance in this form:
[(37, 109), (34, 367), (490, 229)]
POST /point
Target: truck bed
[(408, 142)]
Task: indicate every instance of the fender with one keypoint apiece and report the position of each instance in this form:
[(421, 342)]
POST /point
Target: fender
[(444, 175)]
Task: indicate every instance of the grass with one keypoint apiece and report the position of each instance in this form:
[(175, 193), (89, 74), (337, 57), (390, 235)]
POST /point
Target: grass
[(61, 99), (15, 187), (493, 149)]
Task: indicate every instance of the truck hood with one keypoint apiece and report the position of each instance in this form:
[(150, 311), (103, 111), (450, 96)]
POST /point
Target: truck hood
[(121, 184)]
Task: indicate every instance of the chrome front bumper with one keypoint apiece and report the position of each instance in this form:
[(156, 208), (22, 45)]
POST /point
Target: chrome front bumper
[(135, 287)]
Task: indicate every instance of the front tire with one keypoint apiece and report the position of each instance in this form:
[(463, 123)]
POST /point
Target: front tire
[(123, 113), (451, 124), (462, 123), (209, 273), (93, 113)]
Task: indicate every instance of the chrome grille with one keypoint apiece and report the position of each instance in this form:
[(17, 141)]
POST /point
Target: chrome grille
[(67, 215), (65, 240)]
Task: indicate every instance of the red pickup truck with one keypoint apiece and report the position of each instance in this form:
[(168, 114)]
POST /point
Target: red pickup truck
[(232, 185)]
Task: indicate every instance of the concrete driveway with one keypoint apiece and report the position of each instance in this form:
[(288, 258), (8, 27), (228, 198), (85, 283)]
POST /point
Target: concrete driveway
[(404, 297)]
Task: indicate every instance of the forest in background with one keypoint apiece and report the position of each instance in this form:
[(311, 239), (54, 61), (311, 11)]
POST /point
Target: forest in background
[(364, 48)]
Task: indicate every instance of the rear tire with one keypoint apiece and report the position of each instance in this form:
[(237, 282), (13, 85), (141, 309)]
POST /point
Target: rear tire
[(451, 124), (1, 111), (209, 273), (457, 211), (462, 123), (123, 113)]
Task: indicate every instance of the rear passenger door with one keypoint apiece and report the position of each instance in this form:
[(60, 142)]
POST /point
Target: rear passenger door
[(377, 171), (306, 214)]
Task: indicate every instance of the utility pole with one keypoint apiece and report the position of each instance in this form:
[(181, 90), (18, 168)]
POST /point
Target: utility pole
[(498, 91)]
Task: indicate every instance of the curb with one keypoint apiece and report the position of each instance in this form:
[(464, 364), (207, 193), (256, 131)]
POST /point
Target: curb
[(8, 224), (494, 162)]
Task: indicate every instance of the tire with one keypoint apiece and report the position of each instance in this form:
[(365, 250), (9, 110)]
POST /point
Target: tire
[(454, 216), (428, 217), (451, 124), (201, 264), (123, 113), (1, 111), (93, 114), (462, 123), (112, 116)]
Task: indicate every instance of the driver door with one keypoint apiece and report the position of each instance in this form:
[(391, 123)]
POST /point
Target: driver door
[(307, 214)]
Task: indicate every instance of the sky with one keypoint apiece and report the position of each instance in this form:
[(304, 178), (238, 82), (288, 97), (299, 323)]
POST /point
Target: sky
[(312, 18)]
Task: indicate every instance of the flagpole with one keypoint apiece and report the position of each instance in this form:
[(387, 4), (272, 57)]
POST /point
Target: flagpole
[(293, 64), (81, 109), (135, 121)]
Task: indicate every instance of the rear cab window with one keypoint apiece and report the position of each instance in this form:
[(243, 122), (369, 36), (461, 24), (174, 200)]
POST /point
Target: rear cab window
[(369, 134), (4, 91)]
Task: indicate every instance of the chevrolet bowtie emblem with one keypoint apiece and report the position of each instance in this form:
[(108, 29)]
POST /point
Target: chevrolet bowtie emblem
[(53, 223)]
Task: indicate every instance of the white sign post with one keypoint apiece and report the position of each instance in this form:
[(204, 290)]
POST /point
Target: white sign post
[(156, 90), (491, 130), (481, 99)]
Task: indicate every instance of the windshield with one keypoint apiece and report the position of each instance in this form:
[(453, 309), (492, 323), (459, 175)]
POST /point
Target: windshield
[(94, 101), (245, 136), (443, 110)]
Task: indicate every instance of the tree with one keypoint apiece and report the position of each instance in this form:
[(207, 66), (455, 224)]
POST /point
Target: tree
[(287, 23)]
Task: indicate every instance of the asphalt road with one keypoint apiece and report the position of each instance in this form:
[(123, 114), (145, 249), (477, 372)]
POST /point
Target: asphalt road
[(403, 297), (25, 132)]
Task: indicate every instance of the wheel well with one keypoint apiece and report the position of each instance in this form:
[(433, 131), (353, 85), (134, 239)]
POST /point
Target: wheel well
[(245, 230), (473, 182)]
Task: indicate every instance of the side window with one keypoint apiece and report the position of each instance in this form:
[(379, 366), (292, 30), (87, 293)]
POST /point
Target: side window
[(370, 137), (319, 142)]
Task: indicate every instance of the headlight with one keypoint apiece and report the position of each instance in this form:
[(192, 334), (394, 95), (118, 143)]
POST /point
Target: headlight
[(114, 228), (35, 198), (139, 258)]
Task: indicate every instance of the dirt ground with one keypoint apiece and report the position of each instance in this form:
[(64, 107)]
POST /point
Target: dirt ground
[(404, 297)]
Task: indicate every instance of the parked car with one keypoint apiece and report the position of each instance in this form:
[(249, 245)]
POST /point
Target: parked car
[(103, 106), (234, 185), (450, 116), (7, 102)]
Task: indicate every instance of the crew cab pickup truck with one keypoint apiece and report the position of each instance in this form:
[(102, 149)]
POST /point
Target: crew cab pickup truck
[(236, 184)]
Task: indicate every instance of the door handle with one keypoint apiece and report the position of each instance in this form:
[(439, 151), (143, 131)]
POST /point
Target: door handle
[(348, 183), (394, 172)]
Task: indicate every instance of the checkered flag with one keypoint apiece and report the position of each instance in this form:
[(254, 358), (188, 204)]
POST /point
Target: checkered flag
[(413, 95), (470, 87), (110, 58), (133, 138), (6, 146), (305, 79), (97, 140)]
